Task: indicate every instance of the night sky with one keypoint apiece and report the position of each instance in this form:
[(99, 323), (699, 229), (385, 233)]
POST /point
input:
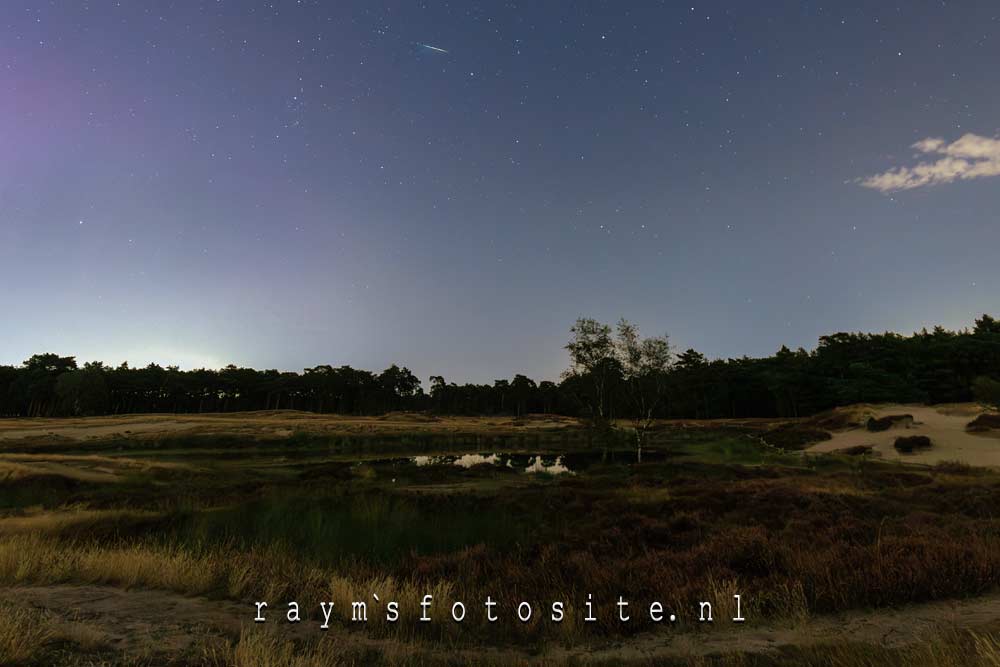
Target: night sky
[(450, 185)]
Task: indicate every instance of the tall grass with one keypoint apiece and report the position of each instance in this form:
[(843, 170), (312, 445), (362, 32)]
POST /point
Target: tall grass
[(261, 574), (23, 634), (329, 529)]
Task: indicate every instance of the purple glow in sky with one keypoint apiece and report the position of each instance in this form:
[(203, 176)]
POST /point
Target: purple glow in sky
[(294, 183)]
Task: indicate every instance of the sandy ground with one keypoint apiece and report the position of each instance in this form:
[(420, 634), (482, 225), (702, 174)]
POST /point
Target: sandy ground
[(135, 622), (944, 425), (142, 622)]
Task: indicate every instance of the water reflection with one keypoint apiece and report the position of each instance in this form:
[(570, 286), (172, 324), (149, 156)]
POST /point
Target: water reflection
[(469, 460), (554, 468), (552, 465)]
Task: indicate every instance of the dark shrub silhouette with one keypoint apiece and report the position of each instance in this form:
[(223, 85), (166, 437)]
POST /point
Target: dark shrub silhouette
[(887, 422), (909, 443)]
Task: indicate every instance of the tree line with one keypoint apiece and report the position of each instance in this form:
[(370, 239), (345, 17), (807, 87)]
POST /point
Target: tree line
[(614, 374)]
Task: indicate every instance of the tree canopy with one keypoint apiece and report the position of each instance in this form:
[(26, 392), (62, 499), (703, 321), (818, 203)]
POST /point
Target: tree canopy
[(613, 374)]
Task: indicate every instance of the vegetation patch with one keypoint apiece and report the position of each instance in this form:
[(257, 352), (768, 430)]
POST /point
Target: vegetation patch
[(23, 634), (857, 450), (706, 512), (794, 437), (876, 424), (911, 443), (988, 421)]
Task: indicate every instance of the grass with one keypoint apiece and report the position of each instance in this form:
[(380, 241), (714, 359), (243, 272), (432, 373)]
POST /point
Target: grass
[(26, 639), (706, 515), (73, 521), (954, 649), (329, 528), (794, 542), (964, 649), (23, 635)]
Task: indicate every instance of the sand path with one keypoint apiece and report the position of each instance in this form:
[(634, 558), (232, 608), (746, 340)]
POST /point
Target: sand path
[(141, 622)]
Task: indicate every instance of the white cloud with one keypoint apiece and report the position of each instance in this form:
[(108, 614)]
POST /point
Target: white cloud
[(970, 156)]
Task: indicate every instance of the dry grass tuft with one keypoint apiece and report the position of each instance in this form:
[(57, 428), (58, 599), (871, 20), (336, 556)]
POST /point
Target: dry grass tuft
[(23, 634), (86, 636), (258, 647), (33, 559)]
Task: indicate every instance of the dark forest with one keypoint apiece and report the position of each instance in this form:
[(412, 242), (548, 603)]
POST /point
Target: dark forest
[(937, 366)]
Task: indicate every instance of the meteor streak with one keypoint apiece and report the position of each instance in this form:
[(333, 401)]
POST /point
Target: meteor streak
[(432, 48)]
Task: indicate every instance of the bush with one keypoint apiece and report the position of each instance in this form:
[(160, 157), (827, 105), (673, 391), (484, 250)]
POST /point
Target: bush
[(887, 422), (986, 390), (908, 444), (856, 450), (986, 422)]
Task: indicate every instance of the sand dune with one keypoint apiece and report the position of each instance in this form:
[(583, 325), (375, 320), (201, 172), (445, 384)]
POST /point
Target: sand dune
[(945, 425)]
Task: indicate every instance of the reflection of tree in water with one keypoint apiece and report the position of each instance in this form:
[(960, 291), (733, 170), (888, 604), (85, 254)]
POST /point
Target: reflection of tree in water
[(534, 463)]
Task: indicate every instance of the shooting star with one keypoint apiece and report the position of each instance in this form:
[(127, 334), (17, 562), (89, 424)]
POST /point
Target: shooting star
[(432, 48)]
